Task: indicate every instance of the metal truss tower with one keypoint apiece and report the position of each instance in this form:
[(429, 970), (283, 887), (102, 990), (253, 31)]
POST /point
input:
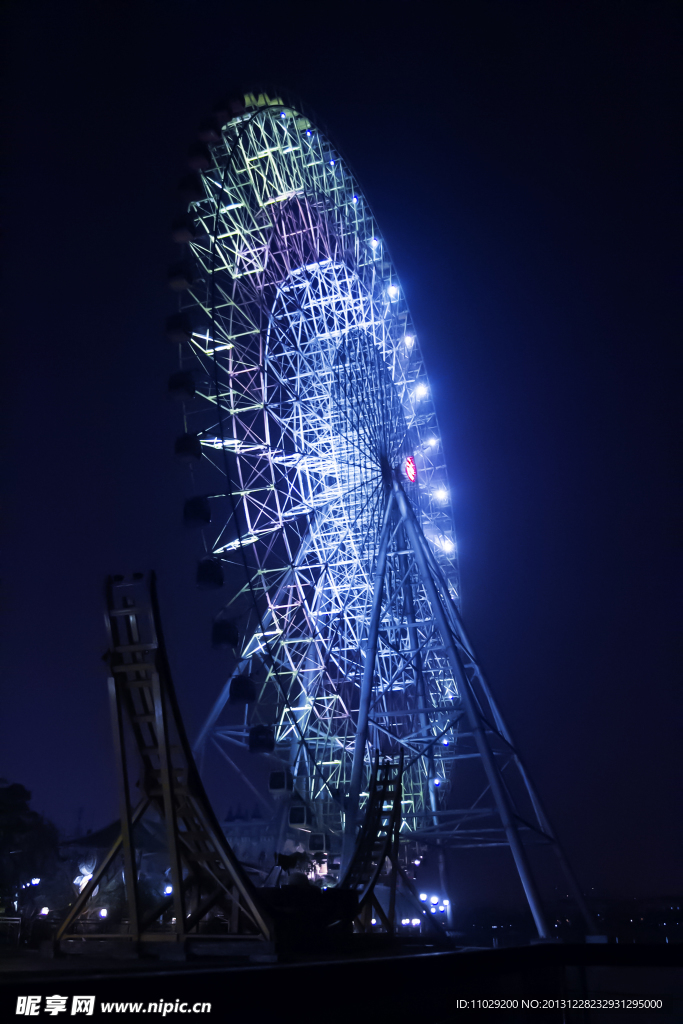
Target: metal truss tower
[(320, 487)]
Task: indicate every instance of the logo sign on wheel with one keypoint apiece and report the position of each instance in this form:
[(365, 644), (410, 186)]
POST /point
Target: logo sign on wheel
[(411, 469)]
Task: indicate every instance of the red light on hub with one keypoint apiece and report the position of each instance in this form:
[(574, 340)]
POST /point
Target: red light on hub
[(411, 469)]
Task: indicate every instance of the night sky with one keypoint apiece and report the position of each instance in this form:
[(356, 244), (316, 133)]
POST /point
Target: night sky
[(520, 159)]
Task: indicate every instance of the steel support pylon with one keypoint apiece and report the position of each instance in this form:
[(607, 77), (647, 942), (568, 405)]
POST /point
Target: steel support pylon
[(418, 575)]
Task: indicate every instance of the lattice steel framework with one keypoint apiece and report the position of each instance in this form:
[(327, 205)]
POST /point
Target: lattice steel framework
[(310, 395), (309, 384)]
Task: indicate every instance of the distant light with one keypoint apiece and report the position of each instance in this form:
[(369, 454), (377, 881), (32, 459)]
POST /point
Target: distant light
[(103, 912), (436, 782), (35, 881), (432, 442), (392, 291), (421, 390), (441, 494), (446, 903), (168, 890), (405, 920), (308, 133), (331, 163), (409, 339), (355, 199), (374, 243), (417, 863), (411, 469), (434, 900), (423, 897), (445, 742), (374, 921), (283, 114), (44, 911), (448, 544), (442, 909), (433, 910)]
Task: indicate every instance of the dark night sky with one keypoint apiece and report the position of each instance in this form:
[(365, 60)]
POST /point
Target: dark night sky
[(520, 159)]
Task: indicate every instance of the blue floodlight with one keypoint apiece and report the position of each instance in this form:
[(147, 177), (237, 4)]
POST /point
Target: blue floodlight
[(423, 897), (434, 900)]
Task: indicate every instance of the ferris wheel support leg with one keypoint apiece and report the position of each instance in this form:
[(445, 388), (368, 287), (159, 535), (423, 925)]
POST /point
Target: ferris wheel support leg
[(539, 809), (351, 815), (541, 816), (222, 700), (498, 789), (424, 721)]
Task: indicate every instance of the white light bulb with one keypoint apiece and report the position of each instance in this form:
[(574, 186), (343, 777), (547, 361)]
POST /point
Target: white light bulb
[(44, 911), (374, 243), (420, 390), (392, 291), (441, 494), (103, 912), (423, 896), (409, 339), (434, 900)]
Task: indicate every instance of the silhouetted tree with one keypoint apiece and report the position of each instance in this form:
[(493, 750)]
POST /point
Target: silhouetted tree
[(28, 843)]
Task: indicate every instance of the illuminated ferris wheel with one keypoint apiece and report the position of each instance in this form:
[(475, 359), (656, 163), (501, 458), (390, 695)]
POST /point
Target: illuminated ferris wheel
[(304, 388), (320, 488)]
